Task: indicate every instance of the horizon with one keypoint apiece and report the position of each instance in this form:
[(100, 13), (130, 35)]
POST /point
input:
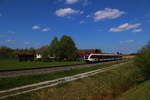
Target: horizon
[(114, 26)]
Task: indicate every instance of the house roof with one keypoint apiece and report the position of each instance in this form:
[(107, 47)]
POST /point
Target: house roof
[(25, 54)]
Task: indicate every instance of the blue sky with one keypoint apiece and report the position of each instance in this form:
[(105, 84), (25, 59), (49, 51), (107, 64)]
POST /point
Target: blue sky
[(111, 25)]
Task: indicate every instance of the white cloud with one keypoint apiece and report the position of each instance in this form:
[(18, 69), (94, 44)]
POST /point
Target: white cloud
[(88, 16), (127, 41), (10, 40), (81, 12), (82, 22), (107, 13), (124, 27), (35, 27), (137, 30), (83, 2), (65, 12), (12, 32), (45, 29), (148, 21), (26, 43), (71, 1)]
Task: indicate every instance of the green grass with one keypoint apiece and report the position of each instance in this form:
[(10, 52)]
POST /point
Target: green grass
[(102, 86), (140, 92), (24, 80), (14, 64)]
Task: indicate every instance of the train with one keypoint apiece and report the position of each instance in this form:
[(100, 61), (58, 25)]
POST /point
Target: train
[(101, 57)]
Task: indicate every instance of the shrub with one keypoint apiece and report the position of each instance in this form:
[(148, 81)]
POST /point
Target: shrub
[(142, 60)]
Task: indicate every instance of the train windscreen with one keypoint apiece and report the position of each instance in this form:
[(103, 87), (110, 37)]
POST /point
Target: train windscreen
[(86, 56)]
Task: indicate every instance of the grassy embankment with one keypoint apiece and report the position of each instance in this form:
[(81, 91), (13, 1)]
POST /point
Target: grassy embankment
[(104, 86), (14, 64), (24, 80), (140, 92)]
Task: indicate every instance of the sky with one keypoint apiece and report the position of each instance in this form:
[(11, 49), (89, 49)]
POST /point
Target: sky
[(111, 25)]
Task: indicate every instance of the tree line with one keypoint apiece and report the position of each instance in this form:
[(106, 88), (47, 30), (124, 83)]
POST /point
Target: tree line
[(63, 49)]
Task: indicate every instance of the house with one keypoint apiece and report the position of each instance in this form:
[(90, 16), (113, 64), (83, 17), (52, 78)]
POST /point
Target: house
[(38, 56), (26, 56)]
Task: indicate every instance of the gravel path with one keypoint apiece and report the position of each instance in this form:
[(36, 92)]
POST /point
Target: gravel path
[(14, 73)]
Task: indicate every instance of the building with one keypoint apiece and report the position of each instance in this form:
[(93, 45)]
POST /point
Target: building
[(38, 56), (26, 56)]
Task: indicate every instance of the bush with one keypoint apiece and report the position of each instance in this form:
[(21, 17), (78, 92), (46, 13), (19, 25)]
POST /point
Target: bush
[(6, 53), (142, 61)]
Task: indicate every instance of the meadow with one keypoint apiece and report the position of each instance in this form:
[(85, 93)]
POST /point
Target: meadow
[(12, 64), (109, 85), (30, 79)]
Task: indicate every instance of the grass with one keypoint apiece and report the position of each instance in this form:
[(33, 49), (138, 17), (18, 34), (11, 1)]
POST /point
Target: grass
[(140, 92), (102, 86), (24, 80), (14, 64)]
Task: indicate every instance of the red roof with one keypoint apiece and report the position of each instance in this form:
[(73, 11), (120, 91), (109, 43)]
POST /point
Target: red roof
[(25, 54)]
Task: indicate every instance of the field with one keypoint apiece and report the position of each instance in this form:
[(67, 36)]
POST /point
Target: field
[(24, 80), (14, 64), (104, 86)]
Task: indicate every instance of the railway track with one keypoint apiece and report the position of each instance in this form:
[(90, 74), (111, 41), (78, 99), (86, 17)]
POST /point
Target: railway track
[(50, 83)]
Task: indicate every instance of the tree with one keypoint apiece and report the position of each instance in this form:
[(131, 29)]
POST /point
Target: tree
[(98, 51), (142, 60), (45, 55), (67, 48), (54, 48), (45, 52), (6, 53)]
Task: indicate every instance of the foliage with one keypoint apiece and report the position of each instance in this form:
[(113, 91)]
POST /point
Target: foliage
[(54, 48), (6, 53), (98, 51), (140, 92), (63, 49), (142, 60), (44, 51), (45, 55), (67, 48)]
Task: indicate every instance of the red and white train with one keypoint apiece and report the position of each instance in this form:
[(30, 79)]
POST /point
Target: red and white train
[(101, 57)]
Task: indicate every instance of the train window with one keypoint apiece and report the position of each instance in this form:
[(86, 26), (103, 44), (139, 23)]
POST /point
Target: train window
[(86, 57), (96, 56), (93, 56)]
